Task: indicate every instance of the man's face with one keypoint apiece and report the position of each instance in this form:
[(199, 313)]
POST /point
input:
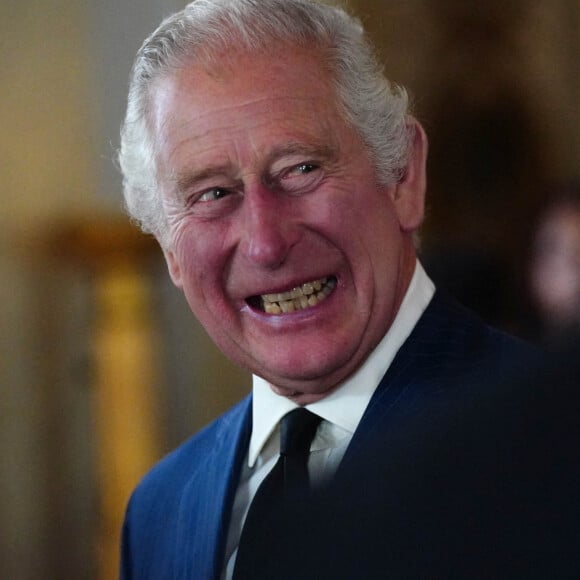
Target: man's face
[(269, 191)]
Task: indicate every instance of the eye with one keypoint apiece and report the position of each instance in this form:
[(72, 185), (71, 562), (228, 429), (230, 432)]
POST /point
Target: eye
[(213, 194), (300, 178), (301, 169)]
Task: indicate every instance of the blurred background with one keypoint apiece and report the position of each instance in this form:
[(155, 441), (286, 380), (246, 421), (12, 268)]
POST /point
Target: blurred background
[(102, 367)]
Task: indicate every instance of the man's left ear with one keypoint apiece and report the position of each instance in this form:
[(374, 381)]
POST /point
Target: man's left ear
[(409, 192)]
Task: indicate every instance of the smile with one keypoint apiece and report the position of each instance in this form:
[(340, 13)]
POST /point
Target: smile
[(299, 298)]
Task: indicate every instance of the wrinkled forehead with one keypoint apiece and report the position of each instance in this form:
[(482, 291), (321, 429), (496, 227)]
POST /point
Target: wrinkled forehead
[(228, 59), (219, 50), (283, 72)]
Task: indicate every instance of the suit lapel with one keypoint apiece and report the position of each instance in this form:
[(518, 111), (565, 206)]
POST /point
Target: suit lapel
[(421, 373), (208, 498)]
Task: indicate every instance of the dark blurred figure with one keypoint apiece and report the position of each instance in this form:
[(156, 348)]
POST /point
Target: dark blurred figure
[(480, 280), (554, 269), (488, 489)]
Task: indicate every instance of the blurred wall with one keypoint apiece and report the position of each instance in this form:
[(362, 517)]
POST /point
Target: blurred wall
[(63, 81), (64, 77), (47, 172), (496, 86)]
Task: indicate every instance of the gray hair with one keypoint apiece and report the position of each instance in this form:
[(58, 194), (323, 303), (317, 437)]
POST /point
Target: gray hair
[(370, 103)]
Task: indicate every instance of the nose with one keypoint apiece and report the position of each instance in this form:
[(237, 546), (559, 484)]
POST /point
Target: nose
[(269, 228)]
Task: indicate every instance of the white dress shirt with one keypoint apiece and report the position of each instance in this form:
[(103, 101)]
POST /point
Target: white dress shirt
[(341, 412)]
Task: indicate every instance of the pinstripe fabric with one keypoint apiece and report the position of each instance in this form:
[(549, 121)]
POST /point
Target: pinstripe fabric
[(177, 520), (449, 353)]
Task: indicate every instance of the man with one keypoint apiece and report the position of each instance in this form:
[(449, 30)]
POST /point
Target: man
[(285, 179)]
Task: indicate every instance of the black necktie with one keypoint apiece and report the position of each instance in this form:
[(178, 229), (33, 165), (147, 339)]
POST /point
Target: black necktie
[(287, 482)]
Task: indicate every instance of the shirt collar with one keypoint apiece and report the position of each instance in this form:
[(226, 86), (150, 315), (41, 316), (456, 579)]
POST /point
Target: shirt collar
[(344, 406)]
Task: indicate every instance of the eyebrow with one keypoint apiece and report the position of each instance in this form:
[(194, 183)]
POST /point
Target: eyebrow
[(296, 148), (187, 180)]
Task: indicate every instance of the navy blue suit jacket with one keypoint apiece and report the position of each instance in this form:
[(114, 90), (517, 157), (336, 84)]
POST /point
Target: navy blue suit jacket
[(177, 520)]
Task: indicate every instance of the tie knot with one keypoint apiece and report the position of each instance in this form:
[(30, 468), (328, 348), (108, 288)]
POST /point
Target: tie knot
[(297, 430)]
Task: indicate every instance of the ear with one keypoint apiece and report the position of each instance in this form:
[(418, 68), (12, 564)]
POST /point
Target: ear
[(409, 193), (173, 267)]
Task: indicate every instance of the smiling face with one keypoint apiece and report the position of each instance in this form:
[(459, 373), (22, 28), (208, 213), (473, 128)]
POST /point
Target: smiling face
[(289, 253)]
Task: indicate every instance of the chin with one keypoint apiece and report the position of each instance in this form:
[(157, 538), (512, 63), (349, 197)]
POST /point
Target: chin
[(305, 376)]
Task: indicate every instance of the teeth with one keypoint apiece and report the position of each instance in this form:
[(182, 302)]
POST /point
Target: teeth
[(299, 298), (297, 293)]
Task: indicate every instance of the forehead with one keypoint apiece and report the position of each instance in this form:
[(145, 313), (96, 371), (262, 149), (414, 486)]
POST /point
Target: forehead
[(286, 91)]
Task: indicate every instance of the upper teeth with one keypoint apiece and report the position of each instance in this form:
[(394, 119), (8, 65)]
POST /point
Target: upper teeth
[(298, 298)]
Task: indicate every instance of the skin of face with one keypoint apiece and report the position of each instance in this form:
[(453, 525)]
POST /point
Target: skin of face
[(266, 187)]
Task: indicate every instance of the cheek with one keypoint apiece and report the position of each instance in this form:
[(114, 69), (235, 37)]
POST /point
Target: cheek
[(351, 208), (202, 255), (362, 225), (371, 221), (190, 255)]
